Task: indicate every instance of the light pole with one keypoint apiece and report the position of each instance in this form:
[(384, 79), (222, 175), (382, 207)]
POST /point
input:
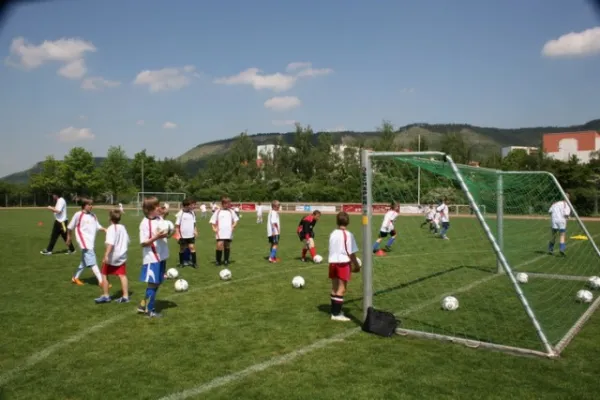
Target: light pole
[(419, 175)]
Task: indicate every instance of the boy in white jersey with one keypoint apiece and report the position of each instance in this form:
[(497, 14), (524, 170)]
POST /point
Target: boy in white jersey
[(202, 210), (342, 262), (444, 218), (155, 252), (121, 209), (114, 261), (273, 230), (559, 213), (259, 213), (429, 214), (85, 224), (223, 223), (185, 225), (387, 228)]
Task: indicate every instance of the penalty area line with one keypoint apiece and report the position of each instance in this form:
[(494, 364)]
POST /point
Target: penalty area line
[(41, 355)]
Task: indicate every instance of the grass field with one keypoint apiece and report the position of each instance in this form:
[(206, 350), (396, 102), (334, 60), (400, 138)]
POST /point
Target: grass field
[(257, 338)]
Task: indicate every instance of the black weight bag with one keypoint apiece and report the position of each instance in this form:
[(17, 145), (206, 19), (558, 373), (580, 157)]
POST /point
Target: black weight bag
[(380, 323)]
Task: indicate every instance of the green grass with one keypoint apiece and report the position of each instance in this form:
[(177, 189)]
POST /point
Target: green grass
[(217, 328)]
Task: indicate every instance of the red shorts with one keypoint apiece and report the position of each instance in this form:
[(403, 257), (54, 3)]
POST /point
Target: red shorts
[(112, 270), (341, 271)]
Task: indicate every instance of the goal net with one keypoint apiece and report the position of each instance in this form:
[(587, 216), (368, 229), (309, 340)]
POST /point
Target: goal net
[(515, 293), (173, 199)]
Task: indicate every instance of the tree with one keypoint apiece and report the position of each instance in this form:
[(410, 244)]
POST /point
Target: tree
[(80, 174), (115, 171), (154, 180), (50, 179)]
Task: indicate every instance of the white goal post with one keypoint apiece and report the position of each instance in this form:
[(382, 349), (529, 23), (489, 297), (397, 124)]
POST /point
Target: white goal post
[(173, 199), (503, 273)]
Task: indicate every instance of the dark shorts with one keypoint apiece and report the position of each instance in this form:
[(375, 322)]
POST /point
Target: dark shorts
[(385, 234), (274, 239), (225, 240), (303, 237), (184, 242), (445, 225)]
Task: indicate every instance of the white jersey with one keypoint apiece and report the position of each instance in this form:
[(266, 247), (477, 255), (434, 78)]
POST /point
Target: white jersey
[(443, 210), (157, 251), (186, 220), (224, 220), (120, 207), (116, 236), (273, 224), (341, 245), (85, 226), (61, 207), (430, 214), (388, 221), (237, 210), (259, 210), (203, 208), (559, 212)]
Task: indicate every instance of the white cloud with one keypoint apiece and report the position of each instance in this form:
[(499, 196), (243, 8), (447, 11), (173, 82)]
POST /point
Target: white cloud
[(283, 103), (75, 69), (166, 78), (574, 44), (65, 50), (277, 82), (140, 122), (169, 125), (284, 122), (98, 83), (72, 134)]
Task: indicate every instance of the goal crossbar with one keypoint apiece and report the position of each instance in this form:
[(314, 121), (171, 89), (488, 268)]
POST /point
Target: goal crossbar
[(430, 160)]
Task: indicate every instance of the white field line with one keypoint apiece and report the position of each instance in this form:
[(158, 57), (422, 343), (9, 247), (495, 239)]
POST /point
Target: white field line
[(48, 351), (289, 357)]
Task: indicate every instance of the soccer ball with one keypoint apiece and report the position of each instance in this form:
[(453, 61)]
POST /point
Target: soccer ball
[(225, 274), (172, 273), (181, 285), (522, 277), (584, 296), (318, 259), (359, 262), (449, 303), (165, 226), (298, 282), (594, 282)]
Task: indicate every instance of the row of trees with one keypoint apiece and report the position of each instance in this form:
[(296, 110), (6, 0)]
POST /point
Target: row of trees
[(308, 169)]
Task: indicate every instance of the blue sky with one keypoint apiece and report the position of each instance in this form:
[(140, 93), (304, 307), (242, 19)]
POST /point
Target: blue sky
[(354, 63)]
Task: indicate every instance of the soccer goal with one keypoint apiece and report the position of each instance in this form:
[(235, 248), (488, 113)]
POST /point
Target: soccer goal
[(513, 294), (173, 199)]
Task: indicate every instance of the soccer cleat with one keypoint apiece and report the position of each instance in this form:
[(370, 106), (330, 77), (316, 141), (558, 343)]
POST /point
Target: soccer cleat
[(141, 308), (562, 254), (274, 260), (194, 266), (102, 299), (77, 281), (46, 253), (153, 314), (387, 249), (340, 317), (122, 300), (69, 252)]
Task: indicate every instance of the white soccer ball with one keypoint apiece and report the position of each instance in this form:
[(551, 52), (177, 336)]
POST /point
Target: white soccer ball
[(449, 303), (594, 282), (359, 262), (522, 277), (181, 285), (584, 296), (166, 226), (298, 282), (318, 259), (225, 274), (172, 273)]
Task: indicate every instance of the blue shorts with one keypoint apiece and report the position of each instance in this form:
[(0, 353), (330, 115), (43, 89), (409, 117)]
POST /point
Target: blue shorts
[(88, 258), (153, 272)]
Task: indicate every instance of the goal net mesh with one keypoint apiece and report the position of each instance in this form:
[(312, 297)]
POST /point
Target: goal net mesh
[(421, 268)]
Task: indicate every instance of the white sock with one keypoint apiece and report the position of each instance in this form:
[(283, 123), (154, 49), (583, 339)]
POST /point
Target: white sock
[(79, 271), (96, 272)]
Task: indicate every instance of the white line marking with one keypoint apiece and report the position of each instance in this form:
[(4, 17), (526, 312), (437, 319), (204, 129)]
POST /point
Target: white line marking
[(48, 351)]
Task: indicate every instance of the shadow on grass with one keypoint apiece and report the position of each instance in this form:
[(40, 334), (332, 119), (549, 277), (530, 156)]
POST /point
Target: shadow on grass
[(326, 309), (162, 305)]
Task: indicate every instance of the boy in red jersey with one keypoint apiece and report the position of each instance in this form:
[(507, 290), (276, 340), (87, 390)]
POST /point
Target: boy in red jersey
[(306, 234)]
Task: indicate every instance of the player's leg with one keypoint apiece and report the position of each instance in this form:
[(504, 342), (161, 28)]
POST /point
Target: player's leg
[(304, 246), (219, 252), (377, 244), (105, 298), (121, 272), (63, 234), (424, 222), (152, 274), (226, 251), (182, 247), (312, 249), (552, 241), (192, 249), (562, 246), (274, 240), (445, 227), (56, 229), (341, 276), (75, 279), (391, 240)]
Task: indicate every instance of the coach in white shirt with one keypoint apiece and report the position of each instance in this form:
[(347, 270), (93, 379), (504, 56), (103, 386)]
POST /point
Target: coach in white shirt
[(60, 224)]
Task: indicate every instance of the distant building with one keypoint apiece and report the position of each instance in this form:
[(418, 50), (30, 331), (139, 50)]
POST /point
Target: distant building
[(267, 151), (528, 150), (562, 146)]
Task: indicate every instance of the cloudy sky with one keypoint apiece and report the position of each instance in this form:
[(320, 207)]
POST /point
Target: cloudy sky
[(167, 76)]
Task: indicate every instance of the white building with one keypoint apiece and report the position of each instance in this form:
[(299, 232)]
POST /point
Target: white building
[(562, 146), (267, 151), (528, 150)]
